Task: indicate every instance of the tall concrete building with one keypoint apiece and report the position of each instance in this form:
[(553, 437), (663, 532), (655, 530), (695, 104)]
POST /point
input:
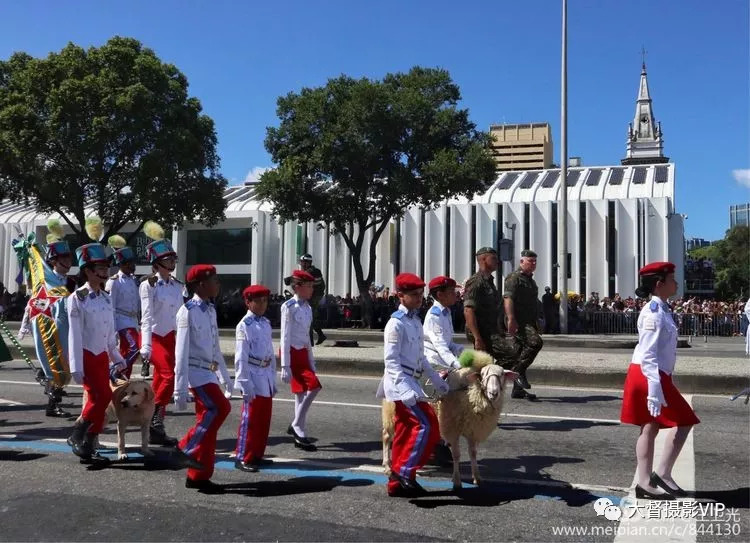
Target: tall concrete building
[(522, 146), (739, 215)]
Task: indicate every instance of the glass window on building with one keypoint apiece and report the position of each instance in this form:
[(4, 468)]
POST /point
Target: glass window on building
[(219, 246)]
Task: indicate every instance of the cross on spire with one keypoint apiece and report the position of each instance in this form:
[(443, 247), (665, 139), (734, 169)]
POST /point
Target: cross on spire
[(643, 57)]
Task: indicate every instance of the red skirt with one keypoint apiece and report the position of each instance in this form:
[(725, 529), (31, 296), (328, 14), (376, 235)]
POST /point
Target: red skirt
[(677, 412), (303, 376)]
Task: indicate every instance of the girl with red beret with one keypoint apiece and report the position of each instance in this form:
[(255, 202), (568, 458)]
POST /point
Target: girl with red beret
[(650, 399), (297, 362), (255, 375)]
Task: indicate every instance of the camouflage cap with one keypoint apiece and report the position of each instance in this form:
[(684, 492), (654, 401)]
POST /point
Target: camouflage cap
[(486, 250), (528, 253)]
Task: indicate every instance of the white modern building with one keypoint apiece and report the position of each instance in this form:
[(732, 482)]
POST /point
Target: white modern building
[(619, 218)]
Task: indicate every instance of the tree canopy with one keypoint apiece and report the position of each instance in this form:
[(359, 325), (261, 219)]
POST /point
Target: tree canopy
[(731, 262), (111, 128), (360, 152)]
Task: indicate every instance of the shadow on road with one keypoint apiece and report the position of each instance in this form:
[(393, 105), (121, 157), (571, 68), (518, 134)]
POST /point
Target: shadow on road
[(297, 485), (5, 422), (494, 495), (554, 425), (19, 456), (577, 399), (739, 498)]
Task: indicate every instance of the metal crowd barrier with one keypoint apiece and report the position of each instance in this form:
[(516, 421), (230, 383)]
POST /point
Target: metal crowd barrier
[(689, 324)]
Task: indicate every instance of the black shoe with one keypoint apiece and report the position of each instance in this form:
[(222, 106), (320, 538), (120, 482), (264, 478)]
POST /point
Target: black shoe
[(54, 410), (657, 481), (643, 494), (96, 459), (61, 392), (79, 431), (85, 450), (206, 487), (244, 466), (182, 460), (145, 368), (321, 338), (304, 444), (291, 431), (522, 381), (157, 436), (519, 393), (407, 487)]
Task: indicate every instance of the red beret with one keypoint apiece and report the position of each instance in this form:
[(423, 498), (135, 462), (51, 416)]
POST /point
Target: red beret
[(441, 281), (256, 291), (302, 275), (408, 281), (199, 272), (657, 268)]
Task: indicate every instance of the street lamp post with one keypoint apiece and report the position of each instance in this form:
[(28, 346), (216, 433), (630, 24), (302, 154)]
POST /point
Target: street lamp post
[(562, 216)]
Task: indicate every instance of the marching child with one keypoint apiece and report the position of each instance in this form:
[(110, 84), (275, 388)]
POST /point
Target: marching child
[(416, 428), (297, 362), (439, 347), (255, 375), (92, 344), (198, 362), (123, 291)]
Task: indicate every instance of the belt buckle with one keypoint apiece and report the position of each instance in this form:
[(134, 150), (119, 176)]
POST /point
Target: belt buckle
[(213, 366)]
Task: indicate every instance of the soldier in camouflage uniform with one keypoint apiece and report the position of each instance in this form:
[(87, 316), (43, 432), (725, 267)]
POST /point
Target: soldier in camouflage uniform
[(482, 306), (520, 299)]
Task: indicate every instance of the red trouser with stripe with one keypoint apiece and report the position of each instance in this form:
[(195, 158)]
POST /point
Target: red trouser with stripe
[(211, 408), (162, 358), (96, 385), (130, 345), (416, 432), (255, 424)]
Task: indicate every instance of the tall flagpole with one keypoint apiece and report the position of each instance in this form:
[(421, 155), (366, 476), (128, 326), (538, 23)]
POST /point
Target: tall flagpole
[(562, 216)]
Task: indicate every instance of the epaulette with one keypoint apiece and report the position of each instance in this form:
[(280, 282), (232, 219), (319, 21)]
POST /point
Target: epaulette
[(191, 303), (435, 310), (654, 306), (114, 277), (398, 314), (82, 293), (290, 302)]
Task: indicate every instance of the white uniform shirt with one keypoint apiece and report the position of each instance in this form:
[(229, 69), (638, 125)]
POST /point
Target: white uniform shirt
[(657, 340), (439, 347), (197, 347), (747, 332), (123, 291), (92, 327), (296, 318), (159, 305), (254, 359), (404, 357)]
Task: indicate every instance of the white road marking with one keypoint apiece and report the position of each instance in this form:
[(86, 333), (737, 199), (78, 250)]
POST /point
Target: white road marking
[(3, 401), (637, 528)]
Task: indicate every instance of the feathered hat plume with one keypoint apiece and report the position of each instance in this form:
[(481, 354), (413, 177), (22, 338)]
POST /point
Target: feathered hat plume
[(55, 231), (153, 230), (470, 358), (116, 241), (94, 228)]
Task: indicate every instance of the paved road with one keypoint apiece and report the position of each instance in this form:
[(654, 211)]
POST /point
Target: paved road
[(544, 468)]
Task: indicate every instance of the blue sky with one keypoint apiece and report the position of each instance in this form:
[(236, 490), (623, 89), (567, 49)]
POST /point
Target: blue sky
[(505, 56)]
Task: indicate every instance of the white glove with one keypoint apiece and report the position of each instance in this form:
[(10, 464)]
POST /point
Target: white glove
[(22, 334), (146, 352), (118, 367), (441, 386), (77, 377), (655, 398), (409, 399), (181, 402), (286, 374)]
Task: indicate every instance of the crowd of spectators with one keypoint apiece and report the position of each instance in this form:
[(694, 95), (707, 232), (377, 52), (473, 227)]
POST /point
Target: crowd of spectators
[(13, 305)]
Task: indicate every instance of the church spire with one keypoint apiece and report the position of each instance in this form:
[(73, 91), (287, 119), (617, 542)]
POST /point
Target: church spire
[(645, 144)]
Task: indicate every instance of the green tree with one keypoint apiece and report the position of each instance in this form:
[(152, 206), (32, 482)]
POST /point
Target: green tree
[(111, 128), (732, 264), (357, 153)]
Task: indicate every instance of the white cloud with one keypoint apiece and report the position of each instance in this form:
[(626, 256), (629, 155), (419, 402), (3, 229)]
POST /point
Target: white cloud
[(253, 176), (742, 177)]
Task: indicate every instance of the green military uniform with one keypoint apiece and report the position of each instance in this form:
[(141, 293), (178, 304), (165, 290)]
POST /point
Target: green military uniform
[(524, 346), (481, 294)]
